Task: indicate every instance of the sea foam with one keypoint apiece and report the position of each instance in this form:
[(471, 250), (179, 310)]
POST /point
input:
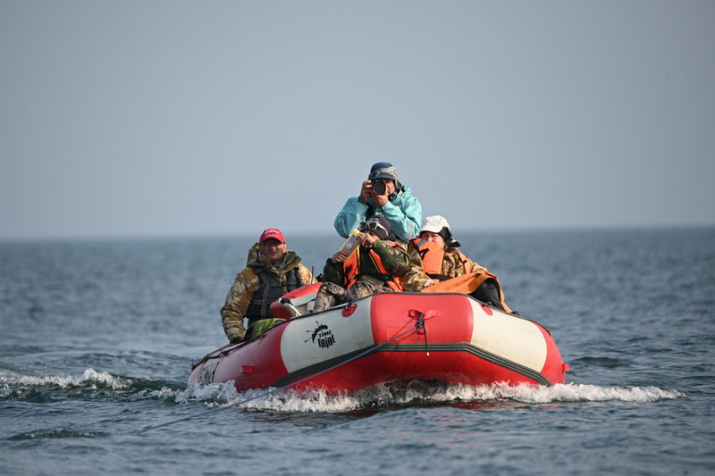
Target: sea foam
[(217, 395), (90, 378)]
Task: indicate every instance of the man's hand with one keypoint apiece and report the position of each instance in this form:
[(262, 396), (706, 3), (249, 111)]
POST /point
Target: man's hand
[(367, 239), (338, 257), (379, 200), (365, 191)]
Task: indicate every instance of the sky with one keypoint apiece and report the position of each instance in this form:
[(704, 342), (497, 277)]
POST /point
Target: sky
[(219, 118)]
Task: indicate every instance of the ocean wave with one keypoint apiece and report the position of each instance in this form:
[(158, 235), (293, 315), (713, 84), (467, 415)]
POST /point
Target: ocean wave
[(47, 388), (589, 393), (414, 393), (89, 377), (13, 385), (55, 433)]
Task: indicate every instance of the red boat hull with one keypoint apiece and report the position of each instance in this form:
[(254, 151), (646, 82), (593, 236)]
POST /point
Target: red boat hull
[(391, 337)]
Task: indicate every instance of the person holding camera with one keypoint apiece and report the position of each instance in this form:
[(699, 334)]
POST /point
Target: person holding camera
[(382, 194)]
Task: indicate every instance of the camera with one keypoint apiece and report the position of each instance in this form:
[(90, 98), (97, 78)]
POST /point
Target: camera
[(379, 188)]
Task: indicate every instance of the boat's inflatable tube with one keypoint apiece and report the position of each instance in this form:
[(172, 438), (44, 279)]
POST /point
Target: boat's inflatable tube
[(385, 338)]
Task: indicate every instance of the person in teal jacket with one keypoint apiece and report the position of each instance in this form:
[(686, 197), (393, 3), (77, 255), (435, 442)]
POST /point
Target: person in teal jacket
[(382, 194)]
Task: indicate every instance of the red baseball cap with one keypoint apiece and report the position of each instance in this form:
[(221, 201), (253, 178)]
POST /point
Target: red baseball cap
[(272, 233)]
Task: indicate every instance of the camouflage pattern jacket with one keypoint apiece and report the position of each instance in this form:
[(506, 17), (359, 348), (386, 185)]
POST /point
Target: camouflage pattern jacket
[(247, 283), (454, 264), (394, 258)]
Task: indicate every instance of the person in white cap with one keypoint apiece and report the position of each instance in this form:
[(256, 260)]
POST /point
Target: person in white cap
[(271, 271), (437, 259), (382, 194)]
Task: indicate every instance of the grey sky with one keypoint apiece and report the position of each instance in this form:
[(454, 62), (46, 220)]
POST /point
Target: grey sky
[(199, 118)]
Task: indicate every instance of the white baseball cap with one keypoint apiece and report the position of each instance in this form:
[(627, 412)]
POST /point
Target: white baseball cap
[(434, 224)]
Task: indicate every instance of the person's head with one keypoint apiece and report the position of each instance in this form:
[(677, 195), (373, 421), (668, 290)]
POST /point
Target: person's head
[(436, 229), (384, 178), (377, 225), (272, 245)]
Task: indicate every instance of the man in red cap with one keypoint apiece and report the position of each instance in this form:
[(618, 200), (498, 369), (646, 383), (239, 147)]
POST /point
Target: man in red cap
[(271, 271)]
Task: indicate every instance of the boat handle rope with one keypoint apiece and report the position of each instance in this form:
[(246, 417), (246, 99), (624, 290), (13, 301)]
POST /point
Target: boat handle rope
[(419, 325)]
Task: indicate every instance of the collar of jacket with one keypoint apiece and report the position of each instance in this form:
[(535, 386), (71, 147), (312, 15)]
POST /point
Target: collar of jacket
[(255, 258)]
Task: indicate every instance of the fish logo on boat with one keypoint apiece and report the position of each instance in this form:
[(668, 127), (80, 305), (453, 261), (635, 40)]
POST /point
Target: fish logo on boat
[(322, 335)]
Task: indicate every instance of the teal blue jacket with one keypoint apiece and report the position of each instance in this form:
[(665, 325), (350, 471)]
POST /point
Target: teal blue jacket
[(404, 214)]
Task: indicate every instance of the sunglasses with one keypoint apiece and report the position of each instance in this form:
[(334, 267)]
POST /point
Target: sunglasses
[(372, 226)]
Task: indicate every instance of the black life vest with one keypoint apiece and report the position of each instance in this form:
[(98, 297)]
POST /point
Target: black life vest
[(270, 289)]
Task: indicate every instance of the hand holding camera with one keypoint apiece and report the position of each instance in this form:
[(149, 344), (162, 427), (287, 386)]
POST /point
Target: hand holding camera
[(365, 191), (377, 190)]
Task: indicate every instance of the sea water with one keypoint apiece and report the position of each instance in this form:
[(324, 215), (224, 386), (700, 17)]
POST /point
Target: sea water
[(98, 337)]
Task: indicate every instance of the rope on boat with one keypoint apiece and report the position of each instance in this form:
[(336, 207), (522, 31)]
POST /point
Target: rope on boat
[(419, 325)]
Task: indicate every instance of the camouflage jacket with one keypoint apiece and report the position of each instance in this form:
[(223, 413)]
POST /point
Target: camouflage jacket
[(395, 260), (454, 264), (241, 293)]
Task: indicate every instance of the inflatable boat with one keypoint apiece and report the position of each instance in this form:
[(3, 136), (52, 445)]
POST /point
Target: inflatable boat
[(387, 338)]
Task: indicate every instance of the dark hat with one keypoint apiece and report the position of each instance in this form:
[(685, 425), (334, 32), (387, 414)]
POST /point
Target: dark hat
[(383, 170), (377, 224)]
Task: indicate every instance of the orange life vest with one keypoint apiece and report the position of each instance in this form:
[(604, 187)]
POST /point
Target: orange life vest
[(432, 255), (351, 269)]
